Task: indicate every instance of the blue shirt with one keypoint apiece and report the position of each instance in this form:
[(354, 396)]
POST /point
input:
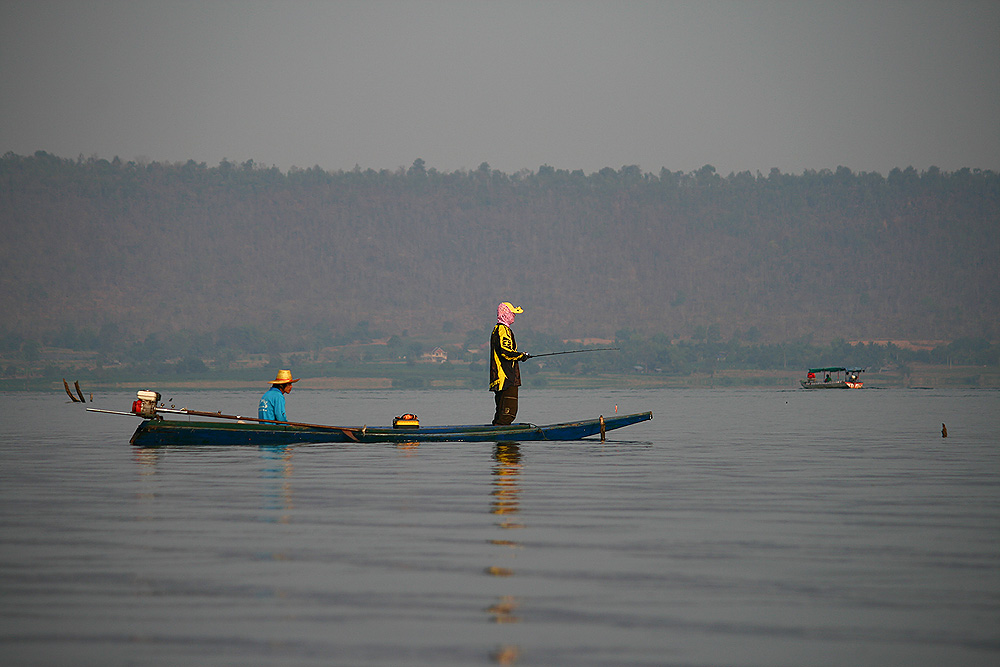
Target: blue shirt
[(272, 405)]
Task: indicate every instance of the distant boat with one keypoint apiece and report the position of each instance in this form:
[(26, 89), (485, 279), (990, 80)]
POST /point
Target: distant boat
[(842, 378)]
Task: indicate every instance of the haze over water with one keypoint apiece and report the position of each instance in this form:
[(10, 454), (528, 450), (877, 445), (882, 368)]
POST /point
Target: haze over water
[(739, 527), (576, 85)]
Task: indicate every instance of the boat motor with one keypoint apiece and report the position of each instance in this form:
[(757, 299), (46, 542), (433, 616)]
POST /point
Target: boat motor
[(145, 402)]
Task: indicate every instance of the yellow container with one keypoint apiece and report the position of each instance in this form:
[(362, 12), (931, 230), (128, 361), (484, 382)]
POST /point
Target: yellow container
[(406, 421)]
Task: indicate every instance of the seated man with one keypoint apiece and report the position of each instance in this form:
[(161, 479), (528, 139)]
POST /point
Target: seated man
[(272, 403)]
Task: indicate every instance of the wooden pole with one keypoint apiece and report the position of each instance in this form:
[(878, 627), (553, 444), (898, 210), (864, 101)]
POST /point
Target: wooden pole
[(349, 432), (68, 392)]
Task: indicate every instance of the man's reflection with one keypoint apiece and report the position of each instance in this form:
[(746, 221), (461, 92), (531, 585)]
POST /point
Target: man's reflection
[(505, 504), (507, 456), (277, 475)]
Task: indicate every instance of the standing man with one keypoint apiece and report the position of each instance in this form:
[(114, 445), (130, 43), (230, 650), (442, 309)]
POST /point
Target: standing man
[(272, 403), (505, 375)]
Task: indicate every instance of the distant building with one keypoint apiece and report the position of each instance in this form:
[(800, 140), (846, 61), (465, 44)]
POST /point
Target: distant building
[(437, 354)]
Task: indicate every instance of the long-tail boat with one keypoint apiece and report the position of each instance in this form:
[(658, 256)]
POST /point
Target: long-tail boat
[(843, 378), (162, 427)]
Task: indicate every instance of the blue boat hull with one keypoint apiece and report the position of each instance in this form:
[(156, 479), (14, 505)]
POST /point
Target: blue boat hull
[(164, 432)]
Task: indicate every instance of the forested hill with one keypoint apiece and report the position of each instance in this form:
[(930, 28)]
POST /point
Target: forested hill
[(141, 248)]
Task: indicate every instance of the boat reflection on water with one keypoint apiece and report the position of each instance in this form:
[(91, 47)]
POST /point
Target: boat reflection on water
[(146, 460), (505, 505), (276, 477)]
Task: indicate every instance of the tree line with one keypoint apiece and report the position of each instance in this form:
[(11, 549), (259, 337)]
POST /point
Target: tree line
[(222, 355), (129, 250)]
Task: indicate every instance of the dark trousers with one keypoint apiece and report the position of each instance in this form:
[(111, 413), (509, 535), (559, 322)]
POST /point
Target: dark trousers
[(506, 400)]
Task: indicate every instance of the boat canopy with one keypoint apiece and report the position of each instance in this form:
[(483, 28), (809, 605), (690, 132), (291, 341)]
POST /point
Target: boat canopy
[(836, 369)]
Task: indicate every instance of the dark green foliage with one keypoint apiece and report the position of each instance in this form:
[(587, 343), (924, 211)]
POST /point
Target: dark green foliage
[(102, 254)]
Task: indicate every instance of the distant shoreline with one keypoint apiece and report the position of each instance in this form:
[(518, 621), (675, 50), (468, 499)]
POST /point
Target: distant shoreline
[(920, 376)]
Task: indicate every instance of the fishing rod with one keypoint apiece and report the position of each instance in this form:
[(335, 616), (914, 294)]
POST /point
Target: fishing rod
[(549, 354)]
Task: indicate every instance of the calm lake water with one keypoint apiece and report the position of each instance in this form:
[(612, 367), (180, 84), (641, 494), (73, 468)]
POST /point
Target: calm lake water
[(739, 527)]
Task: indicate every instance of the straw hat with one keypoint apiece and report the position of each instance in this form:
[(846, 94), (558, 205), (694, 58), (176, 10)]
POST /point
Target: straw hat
[(284, 377)]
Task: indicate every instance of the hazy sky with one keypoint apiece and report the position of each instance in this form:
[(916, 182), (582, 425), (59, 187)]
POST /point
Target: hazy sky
[(576, 85)]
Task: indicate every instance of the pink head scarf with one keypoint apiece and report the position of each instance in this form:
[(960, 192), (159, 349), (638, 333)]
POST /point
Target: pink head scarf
[(504, 315)]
